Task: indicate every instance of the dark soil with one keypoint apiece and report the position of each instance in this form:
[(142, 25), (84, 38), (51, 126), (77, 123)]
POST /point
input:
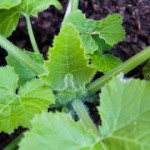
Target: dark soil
[(136, 22)]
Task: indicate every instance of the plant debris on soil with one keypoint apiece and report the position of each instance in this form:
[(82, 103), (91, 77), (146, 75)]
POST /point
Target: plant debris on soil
[(136, 22)]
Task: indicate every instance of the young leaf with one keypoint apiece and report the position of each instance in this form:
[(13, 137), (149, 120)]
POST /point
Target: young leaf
[(85, 28), (9, 18), (24, 73), (57, 131), (125, 110), (104, 62), (109, 29), (18, 109), (7, 4), (67, 61)]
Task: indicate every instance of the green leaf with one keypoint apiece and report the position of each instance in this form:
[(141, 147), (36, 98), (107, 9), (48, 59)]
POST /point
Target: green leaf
[(146, 71), (8, 21), (24, 73), (67, 61), (7, 4), (125, 110), (9, 18), (110, 29), (8, 83), (104, 62), (33, 7), (18, 109), (60, 132), (85, 27)]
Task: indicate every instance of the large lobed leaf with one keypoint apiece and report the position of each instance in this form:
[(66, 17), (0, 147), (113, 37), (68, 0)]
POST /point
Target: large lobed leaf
[(7, 4), (67, 62), (57, 131), (18, 109), (9, 18), (124, 110)]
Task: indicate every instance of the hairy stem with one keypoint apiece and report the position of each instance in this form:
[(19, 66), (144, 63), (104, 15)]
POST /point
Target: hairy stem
[(84, 116), (123, 68), (31, 35), (17, 54), (14, 143)]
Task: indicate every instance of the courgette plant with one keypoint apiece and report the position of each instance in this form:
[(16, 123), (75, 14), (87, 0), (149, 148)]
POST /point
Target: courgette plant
[(30, 85)]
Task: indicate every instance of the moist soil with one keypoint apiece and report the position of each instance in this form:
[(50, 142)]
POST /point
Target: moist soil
[(136, 22)]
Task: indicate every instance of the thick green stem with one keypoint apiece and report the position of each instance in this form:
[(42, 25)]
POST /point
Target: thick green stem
[(31, 35), (123, 68), (17, 54), (14, 143), (83, 115)]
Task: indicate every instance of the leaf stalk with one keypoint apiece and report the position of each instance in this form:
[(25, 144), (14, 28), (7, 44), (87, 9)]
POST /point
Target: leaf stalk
[(31, 35)]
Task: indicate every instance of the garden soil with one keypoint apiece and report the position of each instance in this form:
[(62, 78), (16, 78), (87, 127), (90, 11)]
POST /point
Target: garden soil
[(136, 22)]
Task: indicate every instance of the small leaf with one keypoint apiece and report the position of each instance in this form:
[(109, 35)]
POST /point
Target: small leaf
[(67, 58), (60, 132), (7, 4), (110, 29), (125, 110), (18, 109), (104, 62), (24, 73)]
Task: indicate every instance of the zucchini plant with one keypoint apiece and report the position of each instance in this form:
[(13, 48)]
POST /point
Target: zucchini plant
[(29, 85)]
